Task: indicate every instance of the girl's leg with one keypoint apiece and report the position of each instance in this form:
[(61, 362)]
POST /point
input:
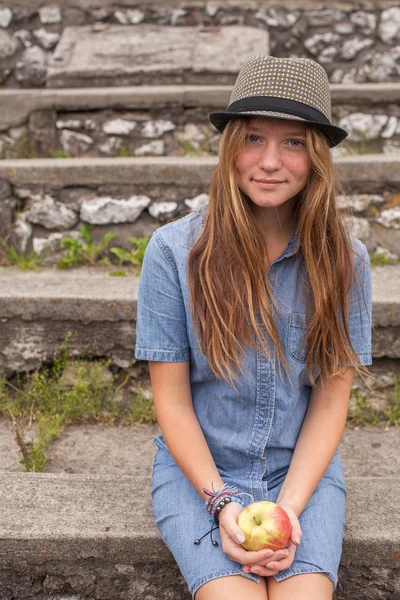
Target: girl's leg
[(306, 586), (234, 587)]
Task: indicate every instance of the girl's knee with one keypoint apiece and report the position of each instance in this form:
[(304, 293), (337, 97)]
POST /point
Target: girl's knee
[(234, 587)]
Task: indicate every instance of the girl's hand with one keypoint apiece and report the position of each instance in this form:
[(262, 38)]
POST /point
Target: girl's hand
[(280, 559), (256, 562), (229, 528)]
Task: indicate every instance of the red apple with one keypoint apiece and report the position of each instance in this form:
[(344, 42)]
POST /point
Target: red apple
[(265, 525)]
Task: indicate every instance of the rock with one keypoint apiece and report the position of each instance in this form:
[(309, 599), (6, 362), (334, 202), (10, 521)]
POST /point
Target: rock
[(359, 227), (49, 15), (74, 143), (158, 209), (176, 15), (389, 27), (390, 218), (351, 48), (102, 14), (24, 14), (102, 211), (69, 124), (324, 18), (383, 65), (343, 28), (111, 146), (364, 21), (76, 372), (197, 202), (129, 17), (211, 9), (134, 16), (391, 147), (153, 129), (118, 127), (7, 206), (192, 133), (8, 44), (362, 126), (5, 189), (324, 45), (278, 17), (47, 39), (42, 131), (31, 70), (21, 235), (5, 17), (24, 37), (359, 203), (391, 127), (52, 243), (17, 133), (22, 193), (51, 214), (155, 148)]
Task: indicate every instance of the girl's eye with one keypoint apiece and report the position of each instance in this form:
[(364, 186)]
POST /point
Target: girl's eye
[(297, 142), (252, 138)]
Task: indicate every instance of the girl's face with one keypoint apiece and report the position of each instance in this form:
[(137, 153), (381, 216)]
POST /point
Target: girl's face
[(274, 152)]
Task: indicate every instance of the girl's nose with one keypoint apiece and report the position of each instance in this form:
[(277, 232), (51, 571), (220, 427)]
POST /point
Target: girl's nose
[(270, 157)]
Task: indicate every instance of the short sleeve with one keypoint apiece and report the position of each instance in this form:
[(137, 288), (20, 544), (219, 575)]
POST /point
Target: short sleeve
[(161, 332), (360, 307)]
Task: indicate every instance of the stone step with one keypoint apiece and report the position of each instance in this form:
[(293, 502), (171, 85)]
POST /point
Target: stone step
[(120, 55), (366, 173), (129, 450), (95, 536), (38, 309), (170, 119)]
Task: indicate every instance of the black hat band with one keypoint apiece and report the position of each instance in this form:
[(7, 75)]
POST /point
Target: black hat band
[(274, 104)]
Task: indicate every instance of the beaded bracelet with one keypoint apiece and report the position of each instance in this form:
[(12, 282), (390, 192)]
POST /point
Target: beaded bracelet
[(217, 502)]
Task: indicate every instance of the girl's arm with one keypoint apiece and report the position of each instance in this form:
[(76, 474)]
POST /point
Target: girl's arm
[(319, 437), (179, 425), (188, 446)]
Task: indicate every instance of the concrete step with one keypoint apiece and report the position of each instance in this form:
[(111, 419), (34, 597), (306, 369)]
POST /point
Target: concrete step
[(37, 309), (95, 536), (121, 55), (129, 450), (364, 174)]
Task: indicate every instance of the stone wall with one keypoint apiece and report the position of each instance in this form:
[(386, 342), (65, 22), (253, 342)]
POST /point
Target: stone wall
[(353, 44), (172, 131), (45, 216)]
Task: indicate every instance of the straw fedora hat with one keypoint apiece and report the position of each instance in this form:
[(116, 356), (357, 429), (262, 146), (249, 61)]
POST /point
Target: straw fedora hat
[(295, 89)]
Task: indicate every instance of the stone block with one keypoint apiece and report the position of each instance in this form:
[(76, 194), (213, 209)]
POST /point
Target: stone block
[(127, 55)]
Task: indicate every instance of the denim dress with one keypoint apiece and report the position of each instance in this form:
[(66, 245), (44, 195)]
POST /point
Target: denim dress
[(251, 431)]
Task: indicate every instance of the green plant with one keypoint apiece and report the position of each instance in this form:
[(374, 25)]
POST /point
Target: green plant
[(83, 253), (392, 410), (61, 154), (18, 259), (125, 152), (380, 259), (135, 255)]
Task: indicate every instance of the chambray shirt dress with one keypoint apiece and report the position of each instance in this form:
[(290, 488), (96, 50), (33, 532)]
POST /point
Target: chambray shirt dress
[(251, 432)]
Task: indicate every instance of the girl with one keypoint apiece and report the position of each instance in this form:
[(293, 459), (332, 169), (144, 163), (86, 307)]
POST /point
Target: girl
[(254, 313)]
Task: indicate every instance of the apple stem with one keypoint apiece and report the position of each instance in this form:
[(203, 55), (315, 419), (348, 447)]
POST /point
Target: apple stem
[(258, 522)]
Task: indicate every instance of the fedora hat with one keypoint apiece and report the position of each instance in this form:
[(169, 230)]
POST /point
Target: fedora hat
[(295, 89)]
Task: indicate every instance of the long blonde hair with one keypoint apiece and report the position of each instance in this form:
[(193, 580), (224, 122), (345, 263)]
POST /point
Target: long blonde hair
[(229, 287)]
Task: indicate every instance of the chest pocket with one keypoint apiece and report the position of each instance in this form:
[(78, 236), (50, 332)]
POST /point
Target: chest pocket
[(297, 336)]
